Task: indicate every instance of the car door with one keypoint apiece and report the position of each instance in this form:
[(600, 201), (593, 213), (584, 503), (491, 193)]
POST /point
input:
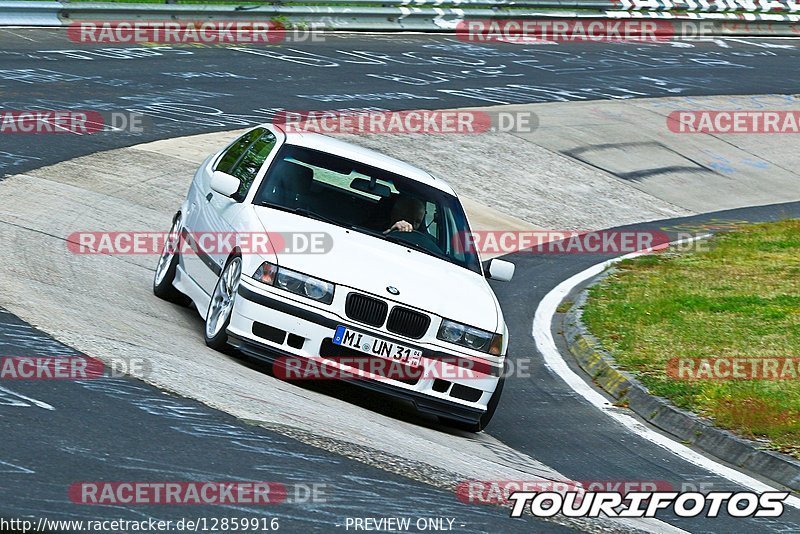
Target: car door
[(217, 219), (198, 264)]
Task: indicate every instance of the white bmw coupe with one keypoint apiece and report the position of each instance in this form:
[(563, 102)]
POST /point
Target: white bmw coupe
[(395, 280)]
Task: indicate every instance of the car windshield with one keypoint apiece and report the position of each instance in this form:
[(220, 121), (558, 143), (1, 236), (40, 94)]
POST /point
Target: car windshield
[(369, 200)]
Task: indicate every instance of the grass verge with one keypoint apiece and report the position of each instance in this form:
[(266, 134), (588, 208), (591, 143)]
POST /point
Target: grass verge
[(738, 299)]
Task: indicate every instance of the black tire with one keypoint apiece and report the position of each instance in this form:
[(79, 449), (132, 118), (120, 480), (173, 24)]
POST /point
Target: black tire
[(483, 422), (163, 288), (219, 341)]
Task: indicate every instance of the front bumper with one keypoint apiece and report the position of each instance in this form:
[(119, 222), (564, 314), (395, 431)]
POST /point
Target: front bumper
[(267, 324)]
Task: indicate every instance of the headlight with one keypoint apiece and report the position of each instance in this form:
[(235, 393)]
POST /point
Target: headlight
[(469, 337), (294, 282)]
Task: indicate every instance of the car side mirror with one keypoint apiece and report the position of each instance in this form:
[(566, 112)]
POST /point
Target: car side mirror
[(500, 270), (224, 183)]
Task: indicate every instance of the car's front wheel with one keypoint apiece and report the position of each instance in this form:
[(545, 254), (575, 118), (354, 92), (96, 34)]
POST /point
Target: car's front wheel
[(168, 265), (218, 316)]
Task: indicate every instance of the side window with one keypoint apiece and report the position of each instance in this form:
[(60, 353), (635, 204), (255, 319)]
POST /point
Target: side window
[(250, 163), (431, 216), (457, 242), (231, 156)]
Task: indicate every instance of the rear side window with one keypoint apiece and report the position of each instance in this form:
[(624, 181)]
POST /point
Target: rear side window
[(231, 156), (250, 163)]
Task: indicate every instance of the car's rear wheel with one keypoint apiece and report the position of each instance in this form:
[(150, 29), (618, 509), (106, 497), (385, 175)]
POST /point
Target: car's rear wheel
[(218, 316), (483, 422), (168, 265)]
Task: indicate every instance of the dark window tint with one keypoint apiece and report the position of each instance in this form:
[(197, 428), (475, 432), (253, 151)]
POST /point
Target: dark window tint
[(251, 162), (231, 156)]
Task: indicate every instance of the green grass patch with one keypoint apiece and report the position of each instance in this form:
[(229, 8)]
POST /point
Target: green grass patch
[(564, 306), (740, 298)]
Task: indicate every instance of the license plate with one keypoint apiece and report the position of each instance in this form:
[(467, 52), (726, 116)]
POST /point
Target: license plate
[(376, 347)]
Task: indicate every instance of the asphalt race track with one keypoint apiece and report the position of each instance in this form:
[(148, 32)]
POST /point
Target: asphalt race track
[(172, 85), (124, 429), (119, 428)]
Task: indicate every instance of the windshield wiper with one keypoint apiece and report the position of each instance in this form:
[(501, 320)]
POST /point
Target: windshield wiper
[(400, 241), (417, 246), (300, 211), (365, 230)]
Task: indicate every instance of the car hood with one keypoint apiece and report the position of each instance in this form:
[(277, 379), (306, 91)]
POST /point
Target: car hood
[(370, 264)]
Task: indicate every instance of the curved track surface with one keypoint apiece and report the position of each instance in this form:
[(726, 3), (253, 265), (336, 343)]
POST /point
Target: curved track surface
[(542, 427), (195, 89)]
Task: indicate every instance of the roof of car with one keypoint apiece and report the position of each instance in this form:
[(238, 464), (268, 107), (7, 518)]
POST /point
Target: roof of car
[(363, 155)]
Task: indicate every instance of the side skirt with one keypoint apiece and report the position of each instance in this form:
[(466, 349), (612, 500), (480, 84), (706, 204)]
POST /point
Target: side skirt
[(186, 285)]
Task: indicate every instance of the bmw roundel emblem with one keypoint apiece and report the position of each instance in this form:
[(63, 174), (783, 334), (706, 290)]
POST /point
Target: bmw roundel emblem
[(393, 290)]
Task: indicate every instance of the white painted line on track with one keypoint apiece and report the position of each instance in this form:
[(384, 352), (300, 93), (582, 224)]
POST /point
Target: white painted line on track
[(40, 404), (542, 334), (18, 35)]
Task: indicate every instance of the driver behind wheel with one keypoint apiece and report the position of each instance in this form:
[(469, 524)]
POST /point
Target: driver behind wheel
[(408, 212)]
